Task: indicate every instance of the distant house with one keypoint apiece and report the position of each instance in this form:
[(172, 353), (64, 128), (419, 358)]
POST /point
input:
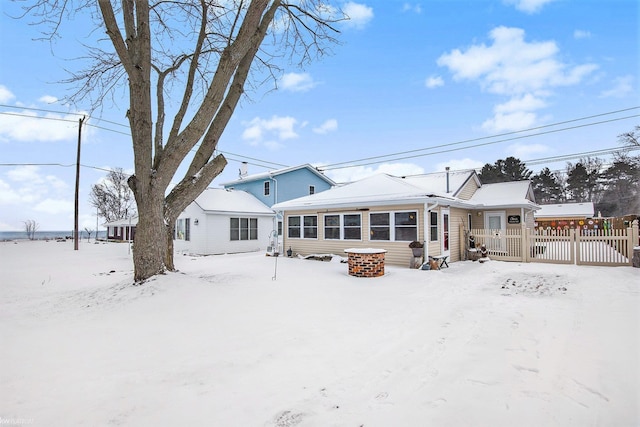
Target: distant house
[(283, 184), (224, 221), (388, 212), (122, 229), (563, 216)]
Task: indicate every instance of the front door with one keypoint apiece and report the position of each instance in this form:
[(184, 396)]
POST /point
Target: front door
[(445, 232), (497, 224)]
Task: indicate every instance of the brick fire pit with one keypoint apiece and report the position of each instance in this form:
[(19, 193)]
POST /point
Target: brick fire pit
[(366, 262)]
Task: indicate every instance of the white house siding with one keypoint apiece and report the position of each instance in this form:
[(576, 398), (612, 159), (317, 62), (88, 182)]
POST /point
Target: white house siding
[(398, 253), (212, 234)]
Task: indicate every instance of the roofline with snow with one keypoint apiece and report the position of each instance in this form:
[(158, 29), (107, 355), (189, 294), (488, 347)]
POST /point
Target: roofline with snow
[(271, 174)]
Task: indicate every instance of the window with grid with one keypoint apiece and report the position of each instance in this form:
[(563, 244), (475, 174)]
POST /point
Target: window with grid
[(433, 226), (406, 226), (310, 227), (243, 229)]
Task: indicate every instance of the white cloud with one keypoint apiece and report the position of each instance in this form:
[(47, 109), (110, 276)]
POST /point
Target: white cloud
[(54, 206), (25, 174), (8, 196), (622, 87), (581, 34), (48, 99), (258, 129), (502, 122), (361, 172), (297, 82), (326, 127), (408, 7), (28, 125), (433, 82), (528, 6), (527, 102), (459, 164), (5, 95), (526, 72), (359, 15), (525, 151)]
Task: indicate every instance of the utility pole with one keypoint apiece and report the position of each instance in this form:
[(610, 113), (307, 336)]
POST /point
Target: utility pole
[(76, 210)]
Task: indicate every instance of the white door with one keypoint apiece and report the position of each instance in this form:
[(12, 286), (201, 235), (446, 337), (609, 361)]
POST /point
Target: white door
[(496, 222), (445, 232)]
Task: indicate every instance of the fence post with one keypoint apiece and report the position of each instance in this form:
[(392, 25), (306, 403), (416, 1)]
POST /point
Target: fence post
[(632, 232), (524, 244), (575, 239)]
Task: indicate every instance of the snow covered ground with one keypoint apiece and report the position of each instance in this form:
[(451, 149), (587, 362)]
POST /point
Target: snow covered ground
[(238, 340)]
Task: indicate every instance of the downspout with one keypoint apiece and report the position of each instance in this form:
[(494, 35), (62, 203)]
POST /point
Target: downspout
[(275, 220)]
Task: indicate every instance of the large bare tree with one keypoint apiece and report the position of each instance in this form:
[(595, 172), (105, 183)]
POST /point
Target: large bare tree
[(113, 197), (194, 55)]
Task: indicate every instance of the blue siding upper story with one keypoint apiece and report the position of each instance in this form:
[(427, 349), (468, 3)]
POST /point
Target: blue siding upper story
[(282, 187)]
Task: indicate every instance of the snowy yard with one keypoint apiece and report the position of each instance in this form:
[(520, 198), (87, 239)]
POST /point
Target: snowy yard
[(221, 343)]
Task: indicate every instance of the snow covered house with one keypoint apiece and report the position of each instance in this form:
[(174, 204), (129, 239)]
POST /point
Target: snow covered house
[(565, 216), (224, 221), (281, 185), (122, 229), (389, 212)]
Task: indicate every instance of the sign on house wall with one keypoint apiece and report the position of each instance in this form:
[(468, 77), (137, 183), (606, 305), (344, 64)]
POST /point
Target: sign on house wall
[(513, 219)]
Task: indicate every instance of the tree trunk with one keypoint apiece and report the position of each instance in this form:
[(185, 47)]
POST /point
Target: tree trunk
[(150, 245), (168, 261)]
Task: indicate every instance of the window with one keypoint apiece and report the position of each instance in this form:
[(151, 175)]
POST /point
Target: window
[(293, 227), (433, 226), (347, 227), (406, 226), (279, 228), (183, 229), (394, 226), (243, 229), (310, 229), (312, 189), (352, 227), (380, 226), (332, 227), (302, 226), (267, 188)]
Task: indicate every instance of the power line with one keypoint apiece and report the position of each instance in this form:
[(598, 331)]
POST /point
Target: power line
[(333, 166), (61, 112)]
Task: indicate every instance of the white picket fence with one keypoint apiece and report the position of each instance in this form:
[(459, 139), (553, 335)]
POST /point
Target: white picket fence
[(575, 246)]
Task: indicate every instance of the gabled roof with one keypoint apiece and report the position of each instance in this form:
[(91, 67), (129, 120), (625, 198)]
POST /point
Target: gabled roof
[(566, 210), (374, 189), (214, 200), (269, 174), (504, 194), (385, 190), (436, 183), (122, 222)]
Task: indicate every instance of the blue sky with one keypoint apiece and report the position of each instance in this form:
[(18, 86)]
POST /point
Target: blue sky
[(407, 77)]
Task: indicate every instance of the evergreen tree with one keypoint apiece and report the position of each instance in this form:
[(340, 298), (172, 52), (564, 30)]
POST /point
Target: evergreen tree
[(509, 169), (583, 180), (622, 187), (547, 187)]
